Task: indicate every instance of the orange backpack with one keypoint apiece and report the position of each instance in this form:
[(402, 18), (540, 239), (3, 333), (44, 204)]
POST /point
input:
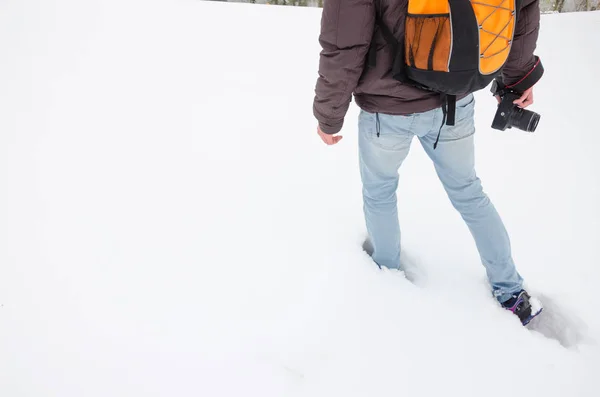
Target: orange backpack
[(453, 47)]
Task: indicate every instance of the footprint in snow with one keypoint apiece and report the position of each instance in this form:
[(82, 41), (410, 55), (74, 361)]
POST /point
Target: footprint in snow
[(412, 271), (558, 323)]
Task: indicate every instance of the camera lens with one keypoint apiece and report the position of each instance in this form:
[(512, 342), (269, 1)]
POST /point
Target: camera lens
[(525, 120), (533, 123)]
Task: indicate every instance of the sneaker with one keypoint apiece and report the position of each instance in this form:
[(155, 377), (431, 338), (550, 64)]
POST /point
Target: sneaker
[(523, 306)]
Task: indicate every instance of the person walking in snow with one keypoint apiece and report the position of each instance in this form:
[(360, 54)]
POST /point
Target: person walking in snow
[(362, 41)]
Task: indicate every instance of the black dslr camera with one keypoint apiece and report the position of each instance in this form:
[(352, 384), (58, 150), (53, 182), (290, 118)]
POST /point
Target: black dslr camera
[(510, 115)]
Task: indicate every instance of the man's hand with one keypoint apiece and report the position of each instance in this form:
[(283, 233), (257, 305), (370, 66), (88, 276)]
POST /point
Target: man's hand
[(329, 139), (525, 100)]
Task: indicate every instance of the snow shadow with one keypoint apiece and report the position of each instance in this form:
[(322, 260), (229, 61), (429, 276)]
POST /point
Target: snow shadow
[(558, 323)]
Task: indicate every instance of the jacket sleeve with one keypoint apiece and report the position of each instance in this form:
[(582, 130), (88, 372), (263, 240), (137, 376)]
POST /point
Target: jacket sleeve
[(346, 32), (522, 63)]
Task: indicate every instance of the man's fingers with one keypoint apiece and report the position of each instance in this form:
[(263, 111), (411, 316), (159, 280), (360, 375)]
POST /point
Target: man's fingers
[(529, 100), (525, 100), (327, 138), (324, 137), (520, 102), (331, 139)]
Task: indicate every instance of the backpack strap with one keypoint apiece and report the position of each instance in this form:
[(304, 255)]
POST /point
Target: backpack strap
[(387, 35), (451, 106), (372, 56), (449, 111)]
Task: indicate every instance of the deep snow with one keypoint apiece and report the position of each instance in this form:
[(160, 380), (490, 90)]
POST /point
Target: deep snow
[(170, 224)]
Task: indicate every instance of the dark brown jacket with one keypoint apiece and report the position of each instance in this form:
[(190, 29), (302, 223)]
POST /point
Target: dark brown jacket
[(347, 28)]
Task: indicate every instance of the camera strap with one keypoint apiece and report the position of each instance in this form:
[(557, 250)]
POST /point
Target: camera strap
[(526, 82)]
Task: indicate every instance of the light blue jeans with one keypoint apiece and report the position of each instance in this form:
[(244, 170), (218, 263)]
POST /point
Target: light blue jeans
[(384, 142)]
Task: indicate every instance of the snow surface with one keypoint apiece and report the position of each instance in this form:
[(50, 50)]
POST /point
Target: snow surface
[(171, 225)]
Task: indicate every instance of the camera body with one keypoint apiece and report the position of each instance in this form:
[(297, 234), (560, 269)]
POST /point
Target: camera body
[(510, 115)]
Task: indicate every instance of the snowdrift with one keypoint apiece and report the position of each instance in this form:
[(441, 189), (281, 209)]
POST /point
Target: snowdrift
[(170, 224)]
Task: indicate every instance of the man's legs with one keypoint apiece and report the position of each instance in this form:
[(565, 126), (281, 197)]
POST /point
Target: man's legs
[(454, 162), (384, 142)]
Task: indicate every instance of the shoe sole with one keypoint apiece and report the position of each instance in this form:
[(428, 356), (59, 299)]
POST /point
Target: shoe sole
[(532, 317)]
